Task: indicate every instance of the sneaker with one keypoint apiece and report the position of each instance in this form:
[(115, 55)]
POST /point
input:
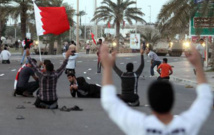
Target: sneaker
[(136, 103), (151, 76)]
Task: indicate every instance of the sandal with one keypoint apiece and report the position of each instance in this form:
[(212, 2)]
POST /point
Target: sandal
[(65, 109), (75, 108), (19, 117)]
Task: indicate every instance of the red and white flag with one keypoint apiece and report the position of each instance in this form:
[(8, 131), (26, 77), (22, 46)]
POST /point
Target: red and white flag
[(109, 25), (92, 36), (51, 20)]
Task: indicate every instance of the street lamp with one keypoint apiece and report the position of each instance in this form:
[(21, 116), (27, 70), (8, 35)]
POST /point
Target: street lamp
[(150, 13)]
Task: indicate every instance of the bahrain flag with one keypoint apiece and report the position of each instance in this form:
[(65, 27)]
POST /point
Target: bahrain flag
[(51, 20)]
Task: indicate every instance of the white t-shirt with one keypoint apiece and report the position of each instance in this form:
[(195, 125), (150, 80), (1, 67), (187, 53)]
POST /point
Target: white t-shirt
[(71, 61), (133, 122), (5, 55), (152, 55), (200, 49)]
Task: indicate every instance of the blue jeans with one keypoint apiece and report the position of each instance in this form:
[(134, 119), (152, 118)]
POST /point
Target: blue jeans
[(154, 63), (23, 57)]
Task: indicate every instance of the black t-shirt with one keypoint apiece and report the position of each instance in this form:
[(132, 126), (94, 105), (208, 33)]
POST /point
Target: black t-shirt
[(24, 76)]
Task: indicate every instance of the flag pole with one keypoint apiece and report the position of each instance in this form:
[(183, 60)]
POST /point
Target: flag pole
[(40, 56)]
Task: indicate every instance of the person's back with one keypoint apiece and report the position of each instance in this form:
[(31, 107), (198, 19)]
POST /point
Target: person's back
[(24, 76), (5, 54)]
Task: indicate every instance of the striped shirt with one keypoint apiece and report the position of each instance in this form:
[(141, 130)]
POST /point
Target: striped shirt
[(48, 81)]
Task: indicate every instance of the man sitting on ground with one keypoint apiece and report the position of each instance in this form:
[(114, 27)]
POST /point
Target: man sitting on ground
[(22, 85), (5, 56), (80, 88), (161, 99), (47, 96), (166, 70), (129, 82)]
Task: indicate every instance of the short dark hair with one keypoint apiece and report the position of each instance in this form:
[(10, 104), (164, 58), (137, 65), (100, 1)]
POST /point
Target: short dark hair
[(161, 96), (71, 74), (49, 67), (5, 48), (46, 61), (100, 40), (165, 60), (34, 60), (130, 67)]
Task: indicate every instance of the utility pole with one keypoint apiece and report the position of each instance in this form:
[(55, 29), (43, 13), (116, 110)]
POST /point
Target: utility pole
[(150, 17), (77, 29), (95, 7), (136, 21)]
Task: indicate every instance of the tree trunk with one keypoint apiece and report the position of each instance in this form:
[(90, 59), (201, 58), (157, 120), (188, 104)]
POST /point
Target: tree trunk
[(118, 35), (51, 45), (59, 45), (23, 19), (80, 21)]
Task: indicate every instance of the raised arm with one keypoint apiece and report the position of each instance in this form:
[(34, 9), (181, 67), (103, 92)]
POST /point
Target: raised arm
[(62, 68), (140, 68), (128, 120), (201, 108), (34, 66), (116, 69)]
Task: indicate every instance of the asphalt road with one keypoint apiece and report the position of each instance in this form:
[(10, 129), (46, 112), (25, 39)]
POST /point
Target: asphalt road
[(92, 120)]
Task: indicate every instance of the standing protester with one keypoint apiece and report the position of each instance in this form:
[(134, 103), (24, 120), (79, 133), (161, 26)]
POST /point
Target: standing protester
[(5, 56), (165, 70), (22, 85), (87, 48), (70, 67), (47, 95), (201, 50), (155, 60), (27, 43), (161, 99), (16, 45), (129, 82), (99, 44)]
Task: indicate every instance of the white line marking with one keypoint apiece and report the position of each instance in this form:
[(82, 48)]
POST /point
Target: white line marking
[(121, 63), (98, 85), (89, 69), (88, 78), (13, 70), (1, 74), (79, 61), (84, 72)]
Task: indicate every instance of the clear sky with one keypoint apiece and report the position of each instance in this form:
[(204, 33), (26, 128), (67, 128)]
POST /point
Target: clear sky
[(89, 5)]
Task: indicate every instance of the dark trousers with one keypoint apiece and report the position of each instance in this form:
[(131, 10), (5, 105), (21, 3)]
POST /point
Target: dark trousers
[(129, 97), (163, 78), (46, 104), (31, 87), (155, 63), (5, 61), (98, 67), (87, 51), (68, 71)]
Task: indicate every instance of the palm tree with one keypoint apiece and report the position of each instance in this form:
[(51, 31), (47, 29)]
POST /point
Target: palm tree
[(81, 13), (175, 15), (4, 11), (118, 12)]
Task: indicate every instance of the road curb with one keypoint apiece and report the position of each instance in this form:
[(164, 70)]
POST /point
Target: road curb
[(183, 81)]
